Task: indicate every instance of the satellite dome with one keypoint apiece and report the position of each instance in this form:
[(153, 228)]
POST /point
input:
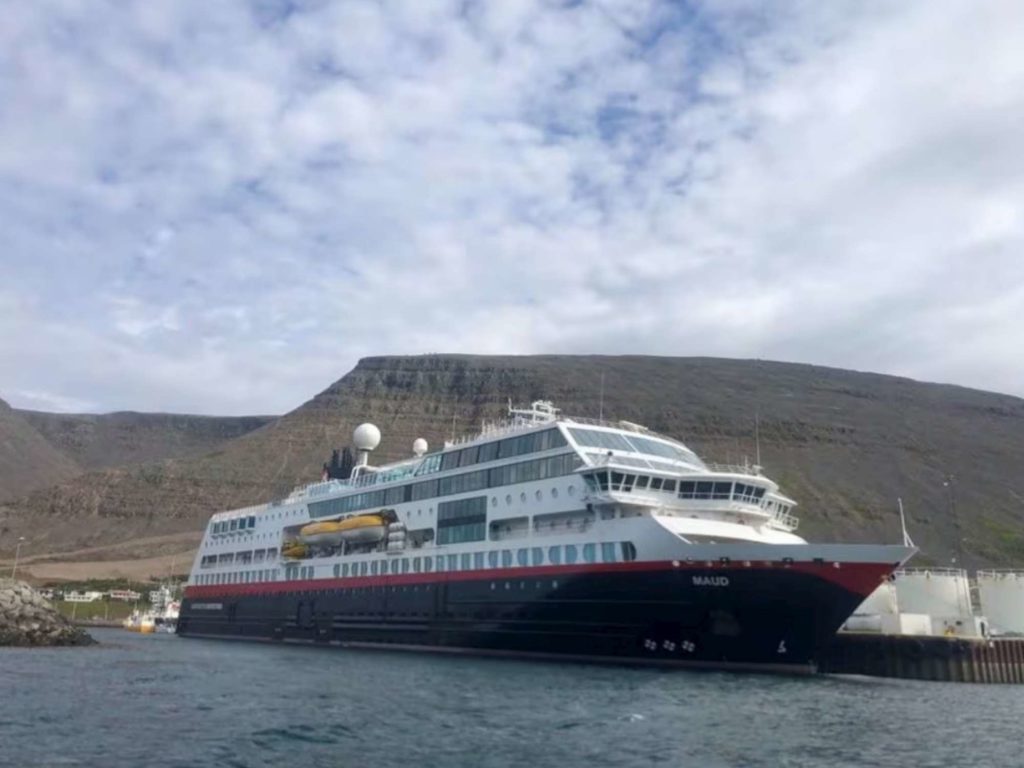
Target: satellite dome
[(419, 446), (366, 437)]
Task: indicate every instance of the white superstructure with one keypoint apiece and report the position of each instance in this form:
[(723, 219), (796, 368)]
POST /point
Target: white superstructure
[(536, 489)]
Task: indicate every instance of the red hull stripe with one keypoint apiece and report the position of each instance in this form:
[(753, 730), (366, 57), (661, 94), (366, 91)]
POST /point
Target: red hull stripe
[(859, 578)]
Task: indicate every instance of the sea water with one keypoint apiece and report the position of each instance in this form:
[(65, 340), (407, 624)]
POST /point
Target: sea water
[(160, 700)]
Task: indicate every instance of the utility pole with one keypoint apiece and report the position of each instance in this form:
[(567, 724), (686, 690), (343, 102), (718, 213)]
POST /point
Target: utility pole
[(951, 499), (17, 551)]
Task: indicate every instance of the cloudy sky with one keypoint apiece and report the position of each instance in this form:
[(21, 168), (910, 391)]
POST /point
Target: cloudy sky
[(218, 207)]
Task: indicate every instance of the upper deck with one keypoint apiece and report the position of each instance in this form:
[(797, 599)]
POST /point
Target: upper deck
[(538, 443)]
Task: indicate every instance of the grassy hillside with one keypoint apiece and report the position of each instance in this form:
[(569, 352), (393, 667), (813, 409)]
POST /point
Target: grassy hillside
[(27, 460), (844, 444)]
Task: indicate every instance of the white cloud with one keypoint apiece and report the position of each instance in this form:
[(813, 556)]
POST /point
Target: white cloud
[(219, 208)]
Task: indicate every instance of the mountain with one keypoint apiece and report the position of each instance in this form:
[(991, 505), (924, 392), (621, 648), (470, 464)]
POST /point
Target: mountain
[(115, 439), (844, 444), (27, 460)]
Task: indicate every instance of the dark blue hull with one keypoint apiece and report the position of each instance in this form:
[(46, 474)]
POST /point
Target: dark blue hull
[(722, 616)]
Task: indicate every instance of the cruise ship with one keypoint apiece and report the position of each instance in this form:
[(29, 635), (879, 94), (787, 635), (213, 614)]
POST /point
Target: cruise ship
[(543, 536)]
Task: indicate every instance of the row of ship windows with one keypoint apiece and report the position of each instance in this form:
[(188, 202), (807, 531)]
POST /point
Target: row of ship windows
[(523, 498), (699, 489), (237, 524), (563, 554), (508, 474), (245, 558)]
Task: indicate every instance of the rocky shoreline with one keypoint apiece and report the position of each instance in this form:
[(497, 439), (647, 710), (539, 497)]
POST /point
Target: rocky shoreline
[(28, 620)]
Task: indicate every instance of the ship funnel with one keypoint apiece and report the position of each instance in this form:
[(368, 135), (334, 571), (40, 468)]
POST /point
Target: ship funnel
[(365, 438)]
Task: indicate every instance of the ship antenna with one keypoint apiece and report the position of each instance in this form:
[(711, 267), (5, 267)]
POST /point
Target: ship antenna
[(757, 437), (601, 401), (903, 525)]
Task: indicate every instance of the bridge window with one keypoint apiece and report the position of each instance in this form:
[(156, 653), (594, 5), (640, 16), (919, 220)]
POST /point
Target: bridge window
[(721, 491), (628, 551)]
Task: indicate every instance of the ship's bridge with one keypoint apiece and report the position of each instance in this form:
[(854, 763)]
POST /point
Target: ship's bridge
[(624, 485)]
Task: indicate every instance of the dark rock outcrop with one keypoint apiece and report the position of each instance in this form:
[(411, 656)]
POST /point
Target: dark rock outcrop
[(27, 619)]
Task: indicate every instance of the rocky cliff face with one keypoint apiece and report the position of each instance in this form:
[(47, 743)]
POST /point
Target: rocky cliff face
[(26, 619), (845, 445), (102, 441)]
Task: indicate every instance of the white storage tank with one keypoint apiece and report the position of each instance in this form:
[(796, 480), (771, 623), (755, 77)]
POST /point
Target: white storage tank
[(934, 591), (1002, 600), (880, 602)]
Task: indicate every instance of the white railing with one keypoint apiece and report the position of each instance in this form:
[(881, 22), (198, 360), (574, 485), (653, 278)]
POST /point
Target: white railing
[(753, 470), (999, 573), (785, 521), (625, 426)]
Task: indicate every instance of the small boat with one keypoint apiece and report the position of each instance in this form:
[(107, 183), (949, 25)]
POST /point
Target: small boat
[(294, 550), (358, 529), (145, 623)]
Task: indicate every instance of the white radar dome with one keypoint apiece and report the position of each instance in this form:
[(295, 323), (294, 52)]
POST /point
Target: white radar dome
[(419, 446), (366, 437)]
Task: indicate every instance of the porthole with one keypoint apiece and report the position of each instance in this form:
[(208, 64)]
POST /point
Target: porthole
[(494, 501), (554, 493), (522, 497), (508, 499), (538, 495)]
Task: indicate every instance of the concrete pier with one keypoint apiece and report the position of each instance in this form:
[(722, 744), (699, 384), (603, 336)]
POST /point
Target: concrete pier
[(949, 659)]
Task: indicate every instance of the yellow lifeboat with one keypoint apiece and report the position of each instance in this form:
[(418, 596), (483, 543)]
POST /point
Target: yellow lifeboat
[(361, 529), (294, 549)]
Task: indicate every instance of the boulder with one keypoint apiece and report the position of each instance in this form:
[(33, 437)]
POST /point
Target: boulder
[(27, 619)]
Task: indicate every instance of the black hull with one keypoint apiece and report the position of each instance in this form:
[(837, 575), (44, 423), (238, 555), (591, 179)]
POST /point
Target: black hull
[(742, 617)]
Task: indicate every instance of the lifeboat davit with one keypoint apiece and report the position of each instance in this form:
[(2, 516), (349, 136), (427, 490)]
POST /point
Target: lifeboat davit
[(360, 529)]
